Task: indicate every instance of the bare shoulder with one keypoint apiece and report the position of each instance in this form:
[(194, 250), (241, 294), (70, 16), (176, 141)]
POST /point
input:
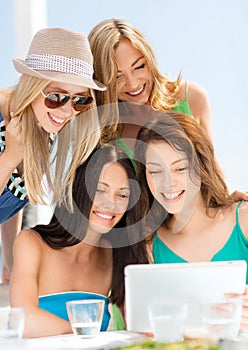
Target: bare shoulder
[(243, 218), (200, 107), (27, 254), (195, 88), (197, 97), (29, 239)]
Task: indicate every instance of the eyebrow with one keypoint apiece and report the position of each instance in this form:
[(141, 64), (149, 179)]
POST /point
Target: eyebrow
[(134, 63), (175, 162), (105, 184), (137, 60)]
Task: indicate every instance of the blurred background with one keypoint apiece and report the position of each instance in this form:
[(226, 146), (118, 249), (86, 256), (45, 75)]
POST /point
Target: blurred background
[(206, 39)]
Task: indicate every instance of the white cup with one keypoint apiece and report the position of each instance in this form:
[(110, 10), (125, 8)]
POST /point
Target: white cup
[(167, 319), (222, 317), (85, 316), (11, 322)]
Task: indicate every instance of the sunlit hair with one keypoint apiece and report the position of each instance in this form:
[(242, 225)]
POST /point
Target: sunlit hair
[(184, 135), (68, 228), (104, 39), (38, 142)]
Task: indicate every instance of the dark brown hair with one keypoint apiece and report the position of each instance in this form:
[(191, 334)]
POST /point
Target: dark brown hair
[(185, 135), (68, 228)]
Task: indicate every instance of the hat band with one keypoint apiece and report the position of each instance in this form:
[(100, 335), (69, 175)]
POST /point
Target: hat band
[(61, 64)]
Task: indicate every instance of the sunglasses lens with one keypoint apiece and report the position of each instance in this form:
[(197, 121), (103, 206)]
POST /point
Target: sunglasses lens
[(79, 102), (56, 100)]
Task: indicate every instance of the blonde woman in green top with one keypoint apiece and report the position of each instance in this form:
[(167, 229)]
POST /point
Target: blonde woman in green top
[(124, 61)]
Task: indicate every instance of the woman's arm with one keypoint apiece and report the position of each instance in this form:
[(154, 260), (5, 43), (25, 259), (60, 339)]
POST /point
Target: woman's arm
[(13, 153), (243, 220), (200, 107), (24, 288), (9, 231)]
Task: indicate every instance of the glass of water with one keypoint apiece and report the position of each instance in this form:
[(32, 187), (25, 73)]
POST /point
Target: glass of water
[(167, 319), (11, 322), (85, 316), (222, 317)]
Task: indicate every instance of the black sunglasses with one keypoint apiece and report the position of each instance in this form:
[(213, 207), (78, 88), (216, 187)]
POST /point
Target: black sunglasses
[(56, 100)]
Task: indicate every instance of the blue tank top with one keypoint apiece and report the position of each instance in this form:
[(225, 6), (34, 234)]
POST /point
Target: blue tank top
[(56, 304), (14, 196), (236, 248)]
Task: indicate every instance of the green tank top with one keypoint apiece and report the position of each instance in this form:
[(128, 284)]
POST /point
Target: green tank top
[(236, 248), (183, 106)]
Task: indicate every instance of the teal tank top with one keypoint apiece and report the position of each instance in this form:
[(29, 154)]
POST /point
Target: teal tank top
[(236, 248)]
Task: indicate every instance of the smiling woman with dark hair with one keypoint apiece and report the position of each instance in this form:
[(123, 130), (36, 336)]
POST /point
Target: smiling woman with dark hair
[(185, 198), (84, 250)]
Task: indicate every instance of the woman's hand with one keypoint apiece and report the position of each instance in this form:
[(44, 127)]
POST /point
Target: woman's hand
[(244, 317), (244, 320), (239, 195)]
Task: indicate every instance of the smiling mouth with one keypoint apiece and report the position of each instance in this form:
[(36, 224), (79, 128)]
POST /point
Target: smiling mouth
[(172, 196), (104, 216), (57, 120), (137, 92)]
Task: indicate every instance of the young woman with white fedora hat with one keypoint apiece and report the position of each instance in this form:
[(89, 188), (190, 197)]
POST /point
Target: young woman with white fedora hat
[(56, 85)]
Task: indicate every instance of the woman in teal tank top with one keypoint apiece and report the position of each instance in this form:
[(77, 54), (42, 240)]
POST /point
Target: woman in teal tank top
[(185, 199)]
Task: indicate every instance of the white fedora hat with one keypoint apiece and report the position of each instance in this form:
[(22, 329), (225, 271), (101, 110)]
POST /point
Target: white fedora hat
[(61, 55)]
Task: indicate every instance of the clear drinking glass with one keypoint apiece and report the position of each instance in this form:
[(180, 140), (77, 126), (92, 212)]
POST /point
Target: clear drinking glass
[(11, 322), (167, 319), (222, 317), (85, 316)]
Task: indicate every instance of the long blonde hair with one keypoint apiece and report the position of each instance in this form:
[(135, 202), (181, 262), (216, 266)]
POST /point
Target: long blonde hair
[(103, 39), (81, 139)]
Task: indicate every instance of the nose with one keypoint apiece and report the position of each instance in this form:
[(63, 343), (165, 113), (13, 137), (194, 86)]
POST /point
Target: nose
[(132, 81), (106, 202), (68, 109)]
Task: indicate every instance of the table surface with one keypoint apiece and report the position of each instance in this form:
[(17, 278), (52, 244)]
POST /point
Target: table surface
[(105, 340)]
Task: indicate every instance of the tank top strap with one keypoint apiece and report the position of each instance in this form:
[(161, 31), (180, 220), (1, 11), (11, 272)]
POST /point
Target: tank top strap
[(237, 211), (186, 90)]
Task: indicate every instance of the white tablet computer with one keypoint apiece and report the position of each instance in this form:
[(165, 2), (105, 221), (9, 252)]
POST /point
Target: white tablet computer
[(145, 284)]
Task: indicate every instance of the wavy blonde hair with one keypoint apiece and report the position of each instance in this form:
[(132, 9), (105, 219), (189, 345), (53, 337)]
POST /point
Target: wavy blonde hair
[(80, 140), (103, 39)]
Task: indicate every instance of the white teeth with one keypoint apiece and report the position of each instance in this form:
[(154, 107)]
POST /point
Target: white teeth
[(57, 120), (104, 216), (136, 92), (170, 196)]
